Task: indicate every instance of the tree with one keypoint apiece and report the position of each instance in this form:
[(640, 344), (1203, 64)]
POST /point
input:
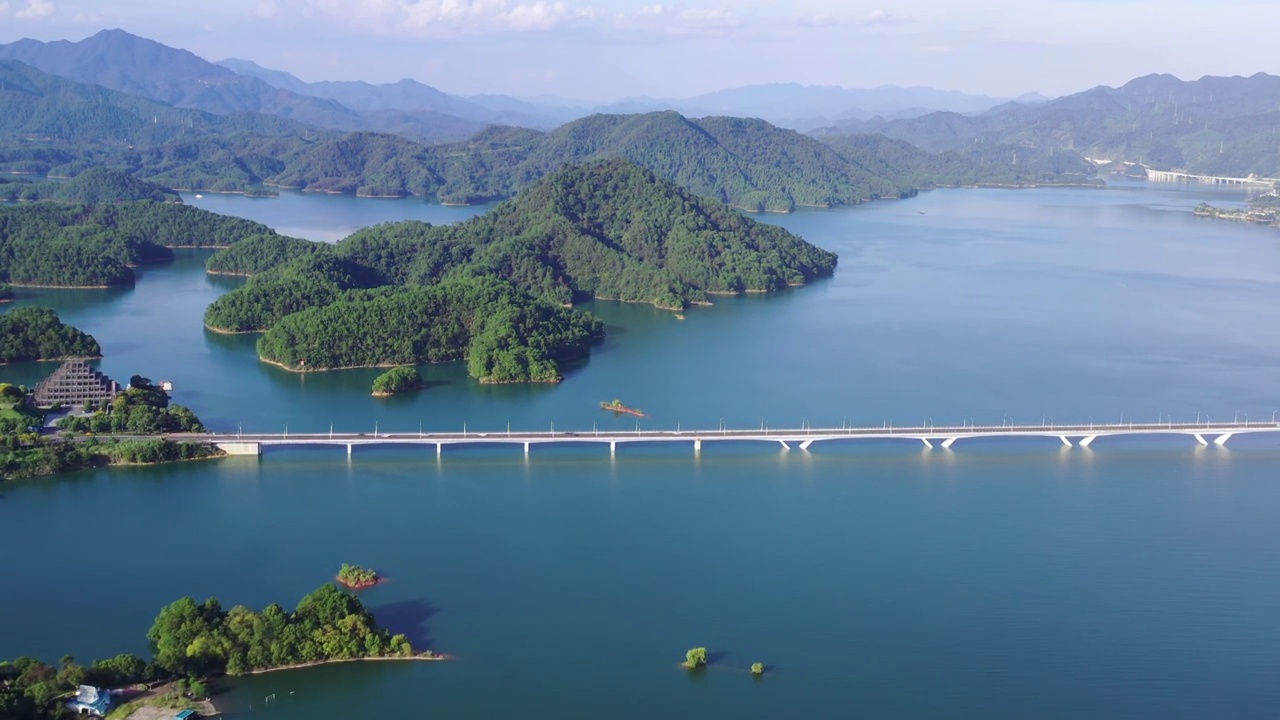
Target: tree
[(695, 658), (757, 668)]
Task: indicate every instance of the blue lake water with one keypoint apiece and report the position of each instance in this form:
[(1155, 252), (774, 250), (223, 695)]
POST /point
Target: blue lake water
[(1003, 579)]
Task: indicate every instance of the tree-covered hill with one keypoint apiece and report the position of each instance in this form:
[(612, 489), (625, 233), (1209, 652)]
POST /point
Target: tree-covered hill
[(503, 334), (260, 253), (36, 333), (95, 185), (79, 245)]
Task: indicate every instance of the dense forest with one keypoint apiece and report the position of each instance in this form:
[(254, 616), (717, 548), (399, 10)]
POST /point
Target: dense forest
[(503, 334), (609, 229), (95, 185), (142, 409), (199, 640), (36, 333), (96, 245), (409, 292)]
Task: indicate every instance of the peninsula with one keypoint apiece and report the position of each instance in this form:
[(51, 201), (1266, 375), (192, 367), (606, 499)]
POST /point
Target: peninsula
[(202, 641), (37, 333)]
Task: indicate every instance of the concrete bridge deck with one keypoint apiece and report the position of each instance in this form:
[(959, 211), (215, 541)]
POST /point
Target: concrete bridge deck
[(804, 438)]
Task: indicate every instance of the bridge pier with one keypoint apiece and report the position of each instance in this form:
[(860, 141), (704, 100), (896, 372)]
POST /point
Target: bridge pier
[(697, 446), (1200, 439), (785, 446), (526, 449), (1221, 440), (613, 448), (350, 447), (805, 445), (949, 442), (927, 443), (1084, 443), (439, 449), (1064, 440)]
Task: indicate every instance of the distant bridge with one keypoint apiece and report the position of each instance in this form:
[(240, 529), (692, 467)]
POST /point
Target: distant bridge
[(1170, 176), (804, 438)]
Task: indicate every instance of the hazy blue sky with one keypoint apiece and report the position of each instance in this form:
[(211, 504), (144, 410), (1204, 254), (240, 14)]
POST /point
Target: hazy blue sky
[(607, 49)]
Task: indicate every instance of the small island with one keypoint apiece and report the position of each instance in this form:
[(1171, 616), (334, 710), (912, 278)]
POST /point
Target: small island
[(357, 578), (757, 669), (1264, 210), (617, 407), (695, 658), (397, 381)]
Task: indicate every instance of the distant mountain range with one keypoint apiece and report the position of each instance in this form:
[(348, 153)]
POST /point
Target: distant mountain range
[(118, 60), (1214, 125)]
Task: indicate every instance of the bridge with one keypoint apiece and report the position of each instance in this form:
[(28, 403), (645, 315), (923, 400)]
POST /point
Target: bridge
[(1171, 176), (930, 436)]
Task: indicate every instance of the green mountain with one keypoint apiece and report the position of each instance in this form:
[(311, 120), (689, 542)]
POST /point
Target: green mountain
[(1214, 125), (96, 185), (36, 333), (127, 63)]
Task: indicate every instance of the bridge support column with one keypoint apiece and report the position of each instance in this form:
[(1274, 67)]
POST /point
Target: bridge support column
[(785, 446), (697, 446), (949, 442), (439, 449), (349, 447), (1221, 440), (927, 443), (1200, 439), (613, 448), (1086, 441), (1064, 440), (805, 445), (526, 449)]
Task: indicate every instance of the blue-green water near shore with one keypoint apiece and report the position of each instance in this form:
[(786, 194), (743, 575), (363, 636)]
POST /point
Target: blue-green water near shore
[(999, 580)]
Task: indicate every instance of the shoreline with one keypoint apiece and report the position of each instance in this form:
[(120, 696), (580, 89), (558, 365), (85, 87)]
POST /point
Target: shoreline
[(57, 359), (67, 287), (226, 273), (220, 331), (435, 657)]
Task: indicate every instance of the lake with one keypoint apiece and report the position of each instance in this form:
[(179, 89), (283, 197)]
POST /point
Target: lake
[(1002, 579)]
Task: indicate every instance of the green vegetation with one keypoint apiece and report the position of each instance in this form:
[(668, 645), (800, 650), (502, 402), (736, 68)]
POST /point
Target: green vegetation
[(504, 335), (201, 639), (397, 380), (354, 576), (695, 658), (143, 409), (93, 186), (757, 668), (258, 253), (6, 293), (77, 245), (32, 690), (194, 641), (36, 333), (25, 456), (17, 416), (407, 293)]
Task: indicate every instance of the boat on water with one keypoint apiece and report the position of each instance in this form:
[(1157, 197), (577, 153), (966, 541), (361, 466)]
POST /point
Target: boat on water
[(679, 316), (618, 407), (199, 196)]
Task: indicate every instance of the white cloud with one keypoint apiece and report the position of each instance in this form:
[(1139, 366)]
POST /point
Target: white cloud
[(881, 17), (818, 20), (660, 18), (446, 17), (267, 9), (4, 8), (35, 9)]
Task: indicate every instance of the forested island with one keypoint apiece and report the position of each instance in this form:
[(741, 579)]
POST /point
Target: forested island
[(94, 185), (489, 290), (356, 577), (86, 246), (397, 381), (202, 640), (143, 409), (37, 333), (1264, 210)]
